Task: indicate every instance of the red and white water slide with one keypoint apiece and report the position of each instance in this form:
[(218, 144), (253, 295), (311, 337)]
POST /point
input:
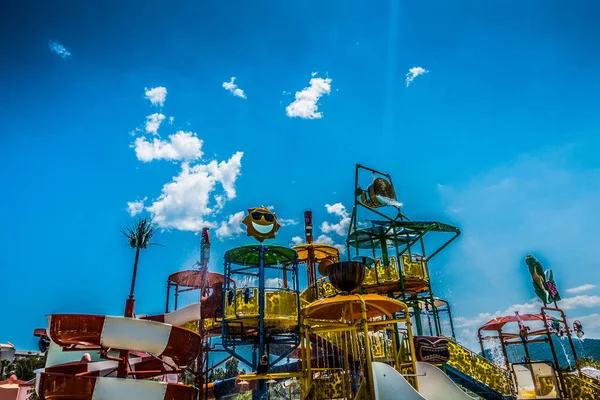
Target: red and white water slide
[(157, 346), (157, 349)]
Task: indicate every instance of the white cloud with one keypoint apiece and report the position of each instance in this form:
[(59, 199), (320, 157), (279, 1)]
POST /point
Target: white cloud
[(582, 288), (171, 120), (287, 222), (314, 74), (180, 146), (325, 239), (233, 88), (157, 95), (59, 49), (296, 240), (531, 307), (153, 123), (186, 201), (413, 73), (582, 300), (232, 227), (340, 227), (305, 105), (136, 207)]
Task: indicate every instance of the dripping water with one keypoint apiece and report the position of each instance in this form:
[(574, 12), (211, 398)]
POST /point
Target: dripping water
[(565, 352)]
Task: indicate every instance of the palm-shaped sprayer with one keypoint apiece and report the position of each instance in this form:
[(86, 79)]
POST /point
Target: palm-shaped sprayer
[(138, 236)]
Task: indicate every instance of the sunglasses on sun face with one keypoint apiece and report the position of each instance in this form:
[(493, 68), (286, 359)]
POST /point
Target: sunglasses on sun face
[(268, 217)]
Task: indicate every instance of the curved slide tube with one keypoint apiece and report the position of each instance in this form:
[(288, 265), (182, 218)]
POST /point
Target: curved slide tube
[(390, 384), (205, 309), (433, 384), (158, 349), (122, 333)]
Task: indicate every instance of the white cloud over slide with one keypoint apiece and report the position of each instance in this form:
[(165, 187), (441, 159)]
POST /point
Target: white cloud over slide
[(194, 197), (186, 200)]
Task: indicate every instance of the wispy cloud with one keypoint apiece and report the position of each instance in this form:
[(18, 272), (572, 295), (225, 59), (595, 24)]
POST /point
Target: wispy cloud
[(59, 49), (287, 222), (582, 288), (413, 73), (157, 95), (305, 106), (582, 300), (233, 88)]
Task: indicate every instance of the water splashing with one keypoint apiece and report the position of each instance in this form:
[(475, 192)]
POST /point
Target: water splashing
[(496, 352), (389, 202)]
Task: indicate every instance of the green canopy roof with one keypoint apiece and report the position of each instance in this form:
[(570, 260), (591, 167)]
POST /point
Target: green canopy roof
[(370, 238), (419, 226), (248, 255)]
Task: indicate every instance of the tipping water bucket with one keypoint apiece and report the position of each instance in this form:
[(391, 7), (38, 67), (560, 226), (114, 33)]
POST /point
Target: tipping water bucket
[(380, 188)]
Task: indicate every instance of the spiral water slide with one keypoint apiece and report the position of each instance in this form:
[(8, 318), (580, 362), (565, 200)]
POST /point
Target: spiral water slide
[(156, 349), (157, 346)]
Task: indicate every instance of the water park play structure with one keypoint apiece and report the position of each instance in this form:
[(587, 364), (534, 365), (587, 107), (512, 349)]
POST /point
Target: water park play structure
[(368, 326)]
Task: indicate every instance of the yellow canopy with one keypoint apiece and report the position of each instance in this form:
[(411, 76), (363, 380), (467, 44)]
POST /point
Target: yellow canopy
[(321, 252), (337, 308)]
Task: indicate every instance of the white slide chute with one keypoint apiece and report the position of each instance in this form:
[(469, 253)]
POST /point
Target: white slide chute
[(390, 384), (433, 384)]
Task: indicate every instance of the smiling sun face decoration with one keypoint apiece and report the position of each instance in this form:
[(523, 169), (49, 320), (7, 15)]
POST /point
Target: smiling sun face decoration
[(261, 223)]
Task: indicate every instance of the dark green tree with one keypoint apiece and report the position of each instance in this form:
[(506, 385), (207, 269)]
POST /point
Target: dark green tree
[(23, 367), (231, 370)]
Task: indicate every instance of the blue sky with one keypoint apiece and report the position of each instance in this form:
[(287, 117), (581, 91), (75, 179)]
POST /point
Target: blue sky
[(499, 137)]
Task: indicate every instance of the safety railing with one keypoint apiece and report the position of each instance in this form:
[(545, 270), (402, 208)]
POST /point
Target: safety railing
[(242, 303), (411, 266), (580, 388), (478, 368)]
